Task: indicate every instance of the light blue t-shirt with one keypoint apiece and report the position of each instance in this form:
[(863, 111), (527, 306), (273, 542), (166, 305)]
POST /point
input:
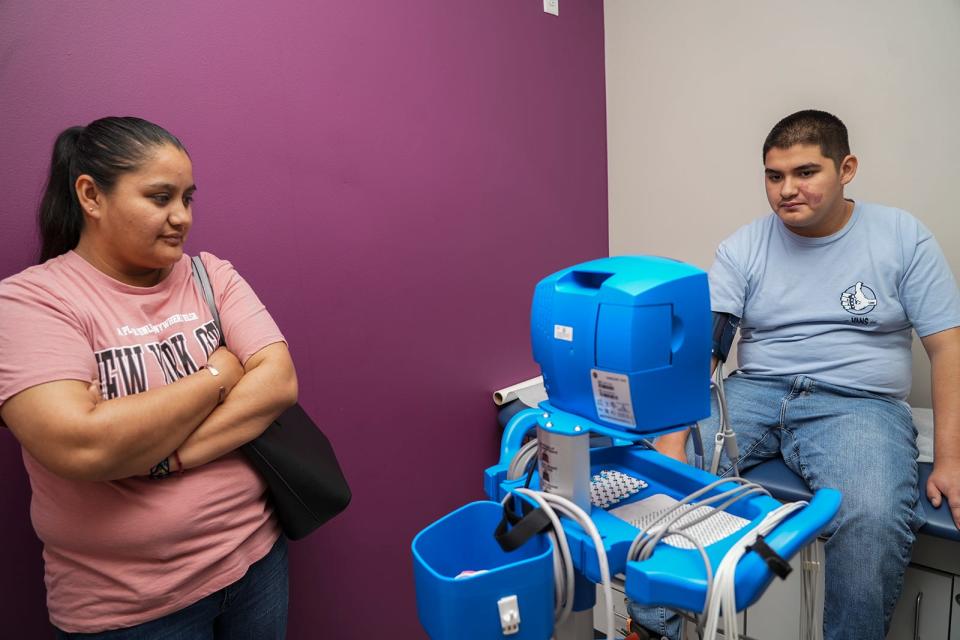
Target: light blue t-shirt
[(840, 308)]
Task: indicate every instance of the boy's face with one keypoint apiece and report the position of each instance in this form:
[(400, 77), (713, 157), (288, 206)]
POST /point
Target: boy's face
[(805, 189)]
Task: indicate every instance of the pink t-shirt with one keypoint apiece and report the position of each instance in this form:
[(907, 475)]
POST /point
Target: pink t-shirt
[(124, 552)]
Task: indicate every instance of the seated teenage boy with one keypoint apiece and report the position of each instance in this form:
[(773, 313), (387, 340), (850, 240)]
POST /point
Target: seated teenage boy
[(827, 292)]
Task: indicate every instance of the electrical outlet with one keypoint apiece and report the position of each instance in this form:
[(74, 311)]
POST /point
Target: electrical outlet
[(552, 7)]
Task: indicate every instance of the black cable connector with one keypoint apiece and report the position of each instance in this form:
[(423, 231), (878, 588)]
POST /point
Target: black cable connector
[(513, 531), (780, 567)]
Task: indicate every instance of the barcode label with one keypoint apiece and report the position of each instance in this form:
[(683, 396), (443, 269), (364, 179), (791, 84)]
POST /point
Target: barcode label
[(611, 394)]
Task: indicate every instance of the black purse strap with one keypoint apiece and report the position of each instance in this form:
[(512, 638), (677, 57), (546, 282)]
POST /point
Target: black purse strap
[(202, 280)]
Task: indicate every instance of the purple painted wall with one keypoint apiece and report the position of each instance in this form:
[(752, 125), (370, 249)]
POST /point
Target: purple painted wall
[(391, 177)]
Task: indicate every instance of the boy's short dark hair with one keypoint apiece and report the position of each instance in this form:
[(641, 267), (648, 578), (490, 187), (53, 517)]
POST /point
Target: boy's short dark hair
[(811, 127)]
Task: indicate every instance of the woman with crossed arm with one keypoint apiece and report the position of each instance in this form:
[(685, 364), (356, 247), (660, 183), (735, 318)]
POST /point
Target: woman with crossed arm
[(128, 413)]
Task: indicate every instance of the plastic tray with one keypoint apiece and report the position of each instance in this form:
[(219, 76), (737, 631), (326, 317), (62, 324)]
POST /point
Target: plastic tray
[(676, 577)]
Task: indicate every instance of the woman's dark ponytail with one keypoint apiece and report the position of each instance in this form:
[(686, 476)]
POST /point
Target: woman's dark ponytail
[(104, 149), (60, 217)]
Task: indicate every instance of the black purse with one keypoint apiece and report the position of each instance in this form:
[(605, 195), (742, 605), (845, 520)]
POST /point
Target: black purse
[(306, 484)]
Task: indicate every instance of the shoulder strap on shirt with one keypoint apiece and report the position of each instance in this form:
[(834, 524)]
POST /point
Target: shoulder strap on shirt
[(202, 280)]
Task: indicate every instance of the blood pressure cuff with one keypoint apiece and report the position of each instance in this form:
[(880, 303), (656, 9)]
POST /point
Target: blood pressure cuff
[(724, 329)]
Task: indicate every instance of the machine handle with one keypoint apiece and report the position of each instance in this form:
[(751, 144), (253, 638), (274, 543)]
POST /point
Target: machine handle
[(584, 281), (916, 617), (517, 427)]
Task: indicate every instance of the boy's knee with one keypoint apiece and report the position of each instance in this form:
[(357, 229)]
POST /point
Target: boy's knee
[(882, 521)]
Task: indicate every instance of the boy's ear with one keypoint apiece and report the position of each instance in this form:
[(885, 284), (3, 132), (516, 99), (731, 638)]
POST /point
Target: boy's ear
[(848, 169)]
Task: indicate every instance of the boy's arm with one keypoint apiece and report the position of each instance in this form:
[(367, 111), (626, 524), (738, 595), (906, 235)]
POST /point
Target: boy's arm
[(674, 445), (728, 293), (944, 351)]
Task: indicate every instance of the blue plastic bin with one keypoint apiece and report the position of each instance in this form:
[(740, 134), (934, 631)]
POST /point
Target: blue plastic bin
[(466, 608)]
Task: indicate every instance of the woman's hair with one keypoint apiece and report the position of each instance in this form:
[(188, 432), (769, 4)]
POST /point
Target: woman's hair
[(104, 149)]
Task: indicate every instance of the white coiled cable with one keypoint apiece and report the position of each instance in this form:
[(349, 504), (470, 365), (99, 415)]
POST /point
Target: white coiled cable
[(553, 505), (722, 599)]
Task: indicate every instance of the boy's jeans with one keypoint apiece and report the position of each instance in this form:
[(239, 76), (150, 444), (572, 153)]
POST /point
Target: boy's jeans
[(861, 443)]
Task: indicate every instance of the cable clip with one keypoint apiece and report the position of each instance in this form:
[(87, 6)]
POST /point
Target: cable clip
[(780, 567), (513, 530), (509, 615)]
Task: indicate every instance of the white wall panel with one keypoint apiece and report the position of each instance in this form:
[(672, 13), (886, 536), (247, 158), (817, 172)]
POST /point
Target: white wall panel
[(694, 86)]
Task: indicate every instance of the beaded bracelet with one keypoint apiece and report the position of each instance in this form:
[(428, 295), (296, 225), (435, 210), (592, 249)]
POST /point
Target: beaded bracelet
[(161, 469)]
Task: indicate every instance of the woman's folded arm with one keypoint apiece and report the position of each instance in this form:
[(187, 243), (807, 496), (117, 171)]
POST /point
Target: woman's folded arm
[(268, 387), (75, 436)]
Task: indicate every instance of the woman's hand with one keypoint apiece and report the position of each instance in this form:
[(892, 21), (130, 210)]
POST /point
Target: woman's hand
[(268, 387), (230, 368), (94, 391)]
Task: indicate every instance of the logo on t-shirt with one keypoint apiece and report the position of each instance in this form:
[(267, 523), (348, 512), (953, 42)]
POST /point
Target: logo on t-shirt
[(858, 299)]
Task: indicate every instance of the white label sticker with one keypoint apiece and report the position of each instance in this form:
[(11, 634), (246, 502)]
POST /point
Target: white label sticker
[(549, 457), (563, 332), (611, 394)]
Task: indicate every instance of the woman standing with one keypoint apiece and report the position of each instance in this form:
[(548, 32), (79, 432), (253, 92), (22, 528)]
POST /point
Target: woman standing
[(128, 413)]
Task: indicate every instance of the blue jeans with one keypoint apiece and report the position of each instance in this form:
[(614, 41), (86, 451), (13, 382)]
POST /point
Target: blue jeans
[(861, 443), (252, 608)]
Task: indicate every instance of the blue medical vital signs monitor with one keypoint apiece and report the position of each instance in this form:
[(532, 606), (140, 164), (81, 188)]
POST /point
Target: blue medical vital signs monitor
[(624, 347), (625, 342)]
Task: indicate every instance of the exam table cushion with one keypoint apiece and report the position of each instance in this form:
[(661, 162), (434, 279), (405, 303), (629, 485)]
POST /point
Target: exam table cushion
[(786, 485)]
